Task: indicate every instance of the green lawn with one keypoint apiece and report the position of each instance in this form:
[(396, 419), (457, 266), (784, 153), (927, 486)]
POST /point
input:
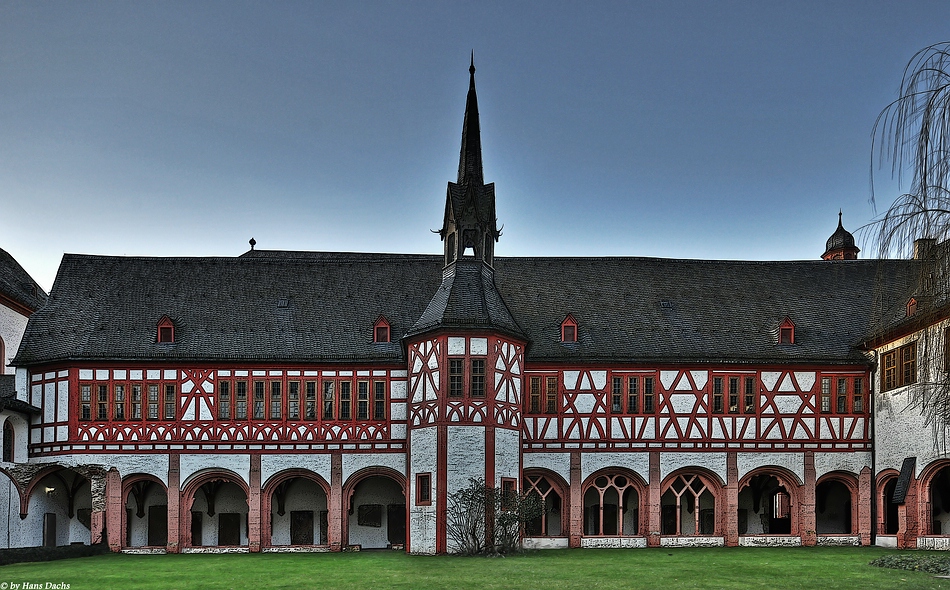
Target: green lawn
[(587, 569)]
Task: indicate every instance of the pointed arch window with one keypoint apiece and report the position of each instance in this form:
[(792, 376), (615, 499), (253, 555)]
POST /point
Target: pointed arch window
[(166, 331), (569, 329), (381, 331), (786, 332)]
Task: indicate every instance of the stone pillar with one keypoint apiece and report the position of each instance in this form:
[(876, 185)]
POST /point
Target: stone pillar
[(335, 503), (729, 520), (912, 516), (173, 496), (864, 500), (97, 489), (807, 517), (254, 505), (114, 509), (576, 524), (654, 495)]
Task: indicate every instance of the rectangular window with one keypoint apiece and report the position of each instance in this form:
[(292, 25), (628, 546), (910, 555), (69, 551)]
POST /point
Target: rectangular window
[(633, 395), (328, 395), (717, 395), (276, 401), (456, 379), (345, 387), (153, 401), (224, 400), (136, 402), (379, 401), (423, 489), (362, 400), (900, 366), (648, 395), (310, 409), (170, 402), (258, 407), (749, 395), (119, 408), (102, 403), (616, 395), (825, 395), (733, 395), (858, 395), (85, 402), (551, 394), (509, 493), (293, 400), (240, 400), (478, 378), (534, 396), (841, 396)]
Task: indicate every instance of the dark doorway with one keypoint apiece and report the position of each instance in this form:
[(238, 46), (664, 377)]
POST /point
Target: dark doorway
[(669, 520), (157, 526), (890, 508), (396, 523), (301, 527), (324, 527), (196, 540), (229, 528), (49, 529)]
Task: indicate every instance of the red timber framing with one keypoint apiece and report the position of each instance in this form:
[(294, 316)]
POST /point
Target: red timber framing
[(157, 409), (762, 408)]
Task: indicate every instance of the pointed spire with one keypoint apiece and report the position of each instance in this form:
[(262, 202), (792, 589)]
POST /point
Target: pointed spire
[(470, 157), (839, 218)]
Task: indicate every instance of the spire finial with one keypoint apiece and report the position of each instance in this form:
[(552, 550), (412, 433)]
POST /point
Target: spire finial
[(471, 68), (839, 218)]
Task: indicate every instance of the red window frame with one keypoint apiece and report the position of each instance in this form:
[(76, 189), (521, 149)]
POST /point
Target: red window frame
[(382, 331), (165, 331), (569, 329), (424, 489)]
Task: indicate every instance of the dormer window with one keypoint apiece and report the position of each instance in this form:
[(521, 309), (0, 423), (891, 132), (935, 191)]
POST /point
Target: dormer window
[(786, 332), (569, 329), (381, 331), (911, 307), (166, 331)]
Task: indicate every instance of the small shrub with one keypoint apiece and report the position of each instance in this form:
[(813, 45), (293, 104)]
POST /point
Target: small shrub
[(932, 564)]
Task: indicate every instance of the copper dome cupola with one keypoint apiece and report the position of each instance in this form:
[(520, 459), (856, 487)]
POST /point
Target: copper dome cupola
[(840, 246)]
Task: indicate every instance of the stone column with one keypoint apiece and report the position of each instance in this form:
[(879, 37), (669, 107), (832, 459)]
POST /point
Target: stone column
[(654, 495), (576, 524), (173, 496), (809, 522), (335, 507), (864, 506), (114, 509), (254, 505), (730, 520)]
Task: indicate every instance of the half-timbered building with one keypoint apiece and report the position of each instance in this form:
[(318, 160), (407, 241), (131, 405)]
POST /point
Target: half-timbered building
[(308, 401)]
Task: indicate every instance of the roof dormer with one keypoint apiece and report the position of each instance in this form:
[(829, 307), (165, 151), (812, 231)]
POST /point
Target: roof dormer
[(165, 331), (786, 331), (382, 332), (569, 329)]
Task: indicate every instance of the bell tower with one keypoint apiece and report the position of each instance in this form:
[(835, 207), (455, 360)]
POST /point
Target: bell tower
[(469, 228)]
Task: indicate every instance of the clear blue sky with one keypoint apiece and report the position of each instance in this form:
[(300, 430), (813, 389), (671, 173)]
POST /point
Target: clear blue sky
[(676, 129)]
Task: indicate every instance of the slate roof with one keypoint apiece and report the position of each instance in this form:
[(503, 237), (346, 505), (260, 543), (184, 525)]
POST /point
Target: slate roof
[(629, 310), (17, 284), (8, 399)]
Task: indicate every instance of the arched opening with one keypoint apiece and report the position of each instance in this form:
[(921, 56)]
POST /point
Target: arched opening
[(217, 511), (59, 510), (688, 506), (9, 440), (612, 505), (550, 494), (146, 512), (889, 515), (765, 506), (298, 509), (940, 502), (375, 510), (833, 508)]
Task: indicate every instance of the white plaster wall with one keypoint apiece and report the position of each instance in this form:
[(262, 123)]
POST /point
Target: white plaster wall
[(21, 429), (507, 455), (156, 465), (422, 518), (12, 533), (559, 463), (715, 462), (12, 326), (139, 526), (851, 462), (593, 462), (302, 494), (274, 464), (67, 530), (794, 462), (466, 456), (190, 464), (353, 462), (373, 490), (230, 498)]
